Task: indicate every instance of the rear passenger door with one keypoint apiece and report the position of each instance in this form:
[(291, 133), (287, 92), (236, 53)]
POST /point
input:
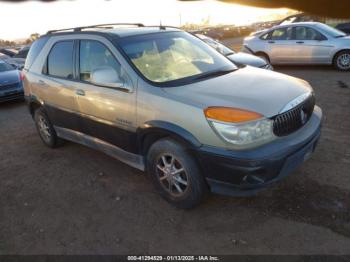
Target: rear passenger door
[(311, 46), (57, 85), (107, 113)]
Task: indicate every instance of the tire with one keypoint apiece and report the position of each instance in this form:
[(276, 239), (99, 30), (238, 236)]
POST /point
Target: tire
[(165, 160), (45, 129), (342, 61)]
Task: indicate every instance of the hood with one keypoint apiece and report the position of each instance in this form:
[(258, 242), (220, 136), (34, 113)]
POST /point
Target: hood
[(262, 91), (345, 39), (9, 77), (247, 59)]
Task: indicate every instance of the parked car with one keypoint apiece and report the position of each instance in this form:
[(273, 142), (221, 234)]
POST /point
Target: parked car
[(240, 59), (11, 87), (164, 102), (344, 27), (16, 62), (23, 52), (301, 17), (9, 52), (302, 43)]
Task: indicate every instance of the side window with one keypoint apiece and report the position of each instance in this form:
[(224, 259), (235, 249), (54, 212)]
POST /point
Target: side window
[(266, 36), (307, 33), (60, 60), (282, 34), (34, 51), (93, 56)]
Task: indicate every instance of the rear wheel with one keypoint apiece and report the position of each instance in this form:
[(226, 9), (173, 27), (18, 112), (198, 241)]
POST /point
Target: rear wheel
[(342, 61), (45, 129), (175, 174)]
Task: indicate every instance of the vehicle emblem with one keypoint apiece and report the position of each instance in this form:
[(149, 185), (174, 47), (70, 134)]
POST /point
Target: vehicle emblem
[(297, 101)]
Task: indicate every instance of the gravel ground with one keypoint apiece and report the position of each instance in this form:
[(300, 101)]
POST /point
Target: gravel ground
[(74, 200)]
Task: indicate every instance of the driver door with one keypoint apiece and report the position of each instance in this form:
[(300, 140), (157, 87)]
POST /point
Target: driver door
[(280, 46), (107, 113)]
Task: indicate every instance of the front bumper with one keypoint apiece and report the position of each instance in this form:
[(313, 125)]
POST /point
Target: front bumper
[(244, 173), (12, 94)]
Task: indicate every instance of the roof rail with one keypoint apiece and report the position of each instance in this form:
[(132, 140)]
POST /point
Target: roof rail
[(79, 29)]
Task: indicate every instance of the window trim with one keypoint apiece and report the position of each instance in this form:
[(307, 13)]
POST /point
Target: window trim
[(76, 66), (295, 33), (45, 69), (286, 28), (77, 63)]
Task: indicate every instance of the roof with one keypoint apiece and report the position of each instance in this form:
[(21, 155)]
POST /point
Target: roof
[(298, 24)]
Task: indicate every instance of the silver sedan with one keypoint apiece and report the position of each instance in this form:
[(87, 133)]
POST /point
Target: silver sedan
[(302, 43)]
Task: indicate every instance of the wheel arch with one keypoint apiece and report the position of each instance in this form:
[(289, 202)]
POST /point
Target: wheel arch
[(34, 104), (339, 51), (153, 131), (264, 54)]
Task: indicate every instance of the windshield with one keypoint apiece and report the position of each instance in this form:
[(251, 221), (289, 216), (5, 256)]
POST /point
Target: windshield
[(331, 31), (168, 57), (6, 67)]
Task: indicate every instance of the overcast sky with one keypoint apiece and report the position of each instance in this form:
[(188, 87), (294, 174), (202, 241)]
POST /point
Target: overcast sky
[(19, 20)]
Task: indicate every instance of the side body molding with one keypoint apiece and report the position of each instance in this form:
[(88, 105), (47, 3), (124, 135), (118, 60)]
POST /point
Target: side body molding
[(134, 160)]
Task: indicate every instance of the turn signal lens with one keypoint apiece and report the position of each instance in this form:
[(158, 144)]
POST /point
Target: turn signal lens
[(231, 115)]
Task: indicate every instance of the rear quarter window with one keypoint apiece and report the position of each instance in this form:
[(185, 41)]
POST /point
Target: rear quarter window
[(34, 51)]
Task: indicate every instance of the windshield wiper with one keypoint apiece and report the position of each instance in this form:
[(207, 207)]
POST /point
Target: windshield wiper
[(340, 36), (214, 74)]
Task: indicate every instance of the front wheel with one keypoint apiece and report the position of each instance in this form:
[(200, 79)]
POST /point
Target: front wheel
[(342, 61), (175, 174)]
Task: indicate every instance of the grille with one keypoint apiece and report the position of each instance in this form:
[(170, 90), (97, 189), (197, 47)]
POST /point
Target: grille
[(8, 87), (292, 120)]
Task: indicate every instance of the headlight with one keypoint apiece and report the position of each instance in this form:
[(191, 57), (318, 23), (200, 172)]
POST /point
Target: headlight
[(247, 130)]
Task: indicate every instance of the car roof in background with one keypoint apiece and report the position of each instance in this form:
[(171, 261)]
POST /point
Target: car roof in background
[(296, 24)]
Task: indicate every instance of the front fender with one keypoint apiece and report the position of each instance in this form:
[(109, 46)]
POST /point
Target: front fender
[(164, 128)]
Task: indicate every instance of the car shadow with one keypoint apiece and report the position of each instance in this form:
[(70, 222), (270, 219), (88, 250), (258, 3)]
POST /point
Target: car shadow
[(11, 104), (303, 201)]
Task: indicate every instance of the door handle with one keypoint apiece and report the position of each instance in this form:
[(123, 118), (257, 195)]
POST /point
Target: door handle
[(80, 92), (300, 42), (271, 42)]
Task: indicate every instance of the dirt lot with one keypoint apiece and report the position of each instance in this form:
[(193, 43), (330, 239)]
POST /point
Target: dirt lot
[(74, 200)]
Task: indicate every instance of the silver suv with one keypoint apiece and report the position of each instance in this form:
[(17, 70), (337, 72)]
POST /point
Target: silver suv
[(163, 101)]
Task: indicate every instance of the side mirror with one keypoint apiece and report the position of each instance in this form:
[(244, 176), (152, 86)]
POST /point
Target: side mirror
[(108, 77)]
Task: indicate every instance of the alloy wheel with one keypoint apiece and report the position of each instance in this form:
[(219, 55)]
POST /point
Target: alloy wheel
[(172, 175), (343, 61), (44, 129)]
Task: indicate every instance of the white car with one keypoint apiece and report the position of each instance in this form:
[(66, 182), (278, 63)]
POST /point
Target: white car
[(302, 43)]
